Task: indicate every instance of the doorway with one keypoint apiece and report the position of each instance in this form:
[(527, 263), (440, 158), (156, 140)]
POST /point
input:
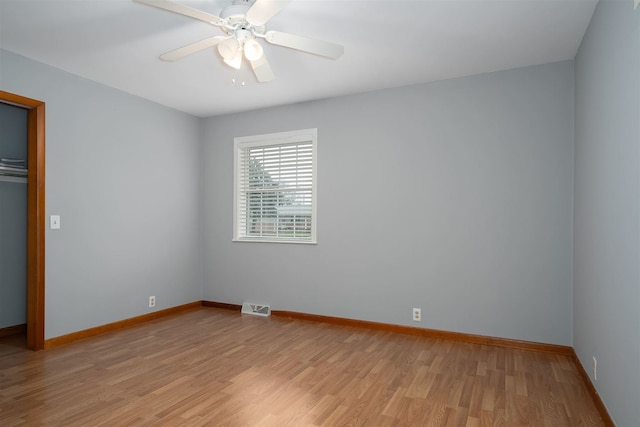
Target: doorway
[(35, 215)]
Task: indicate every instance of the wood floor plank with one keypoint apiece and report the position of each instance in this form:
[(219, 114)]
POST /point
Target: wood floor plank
[(215, 367)]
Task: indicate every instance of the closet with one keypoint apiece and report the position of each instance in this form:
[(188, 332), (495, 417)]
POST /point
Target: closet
[(35, 208), (13, 218)]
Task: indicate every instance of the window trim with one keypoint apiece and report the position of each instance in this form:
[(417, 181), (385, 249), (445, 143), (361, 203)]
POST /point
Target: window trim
[(278, 138)]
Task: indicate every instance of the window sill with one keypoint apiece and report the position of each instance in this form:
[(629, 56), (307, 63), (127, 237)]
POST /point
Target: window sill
[(267, 240)]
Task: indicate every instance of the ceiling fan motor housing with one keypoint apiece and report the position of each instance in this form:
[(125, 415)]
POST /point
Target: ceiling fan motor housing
[(235, 16), (235, 11)]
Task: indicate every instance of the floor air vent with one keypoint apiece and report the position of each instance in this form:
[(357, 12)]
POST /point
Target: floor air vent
[(256, 309)]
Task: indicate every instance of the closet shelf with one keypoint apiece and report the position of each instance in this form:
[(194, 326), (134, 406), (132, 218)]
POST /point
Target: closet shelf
[(6, 170), (8, 174)]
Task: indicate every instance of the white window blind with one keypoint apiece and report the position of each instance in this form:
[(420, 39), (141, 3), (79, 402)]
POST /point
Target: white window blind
[(275, 197)]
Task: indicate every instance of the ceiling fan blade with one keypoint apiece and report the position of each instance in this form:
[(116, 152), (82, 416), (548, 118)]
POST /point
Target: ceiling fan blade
[(189, 49), (183, 10), (263, 10), (262, 70), (319, 47)]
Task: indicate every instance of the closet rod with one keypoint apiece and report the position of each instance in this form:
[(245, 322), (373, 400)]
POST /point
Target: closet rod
[(8, 170), (8, 174)]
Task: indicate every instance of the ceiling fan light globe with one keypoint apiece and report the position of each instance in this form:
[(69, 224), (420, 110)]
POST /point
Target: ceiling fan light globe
[(253, 50), (228, 49), (236, 61)]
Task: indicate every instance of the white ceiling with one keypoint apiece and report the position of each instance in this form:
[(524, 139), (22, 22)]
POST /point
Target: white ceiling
[(388, 43)]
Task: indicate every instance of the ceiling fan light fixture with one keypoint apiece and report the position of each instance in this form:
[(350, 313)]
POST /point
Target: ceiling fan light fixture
[(236, 61), (229, 48), (252, 50)]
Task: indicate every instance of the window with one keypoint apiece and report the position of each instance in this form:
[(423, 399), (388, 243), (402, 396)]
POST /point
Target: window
[(275, 187)]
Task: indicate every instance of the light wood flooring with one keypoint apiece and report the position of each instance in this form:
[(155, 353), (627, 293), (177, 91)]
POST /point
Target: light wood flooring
[(216, 367)]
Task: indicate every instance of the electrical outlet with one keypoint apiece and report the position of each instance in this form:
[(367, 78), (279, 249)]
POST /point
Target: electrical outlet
[(416, 315), (595, 369), (152, 301)]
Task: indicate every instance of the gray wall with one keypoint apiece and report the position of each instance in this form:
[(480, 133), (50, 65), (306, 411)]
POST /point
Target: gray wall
[(454, 196), (607, 206), (13, 221), (124, 174)]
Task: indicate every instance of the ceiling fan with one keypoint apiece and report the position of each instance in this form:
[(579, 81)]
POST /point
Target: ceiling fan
[(243, 22)]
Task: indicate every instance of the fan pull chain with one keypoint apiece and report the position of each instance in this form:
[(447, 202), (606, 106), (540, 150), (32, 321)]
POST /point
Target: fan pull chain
[(238, 82)]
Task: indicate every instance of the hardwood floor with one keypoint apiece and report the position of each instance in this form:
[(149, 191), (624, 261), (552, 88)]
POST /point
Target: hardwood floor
[(218, 368)]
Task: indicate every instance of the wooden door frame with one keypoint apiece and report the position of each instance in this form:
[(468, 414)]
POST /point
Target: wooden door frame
[(35, 215)]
